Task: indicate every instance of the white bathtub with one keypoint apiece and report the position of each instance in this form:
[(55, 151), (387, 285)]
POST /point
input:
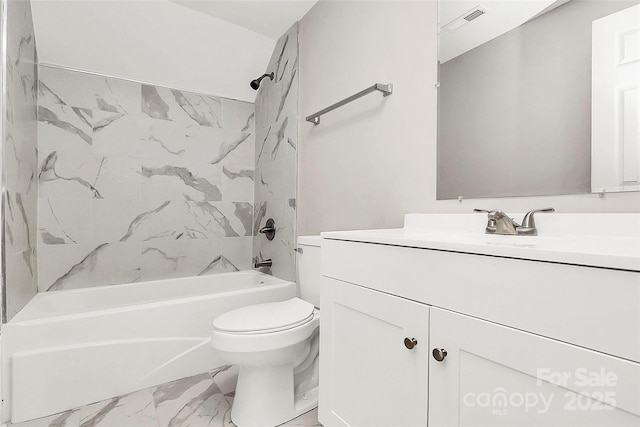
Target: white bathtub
[(70, 348)]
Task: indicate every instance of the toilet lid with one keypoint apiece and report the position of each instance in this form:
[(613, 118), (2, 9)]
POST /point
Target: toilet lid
[(267, 317)]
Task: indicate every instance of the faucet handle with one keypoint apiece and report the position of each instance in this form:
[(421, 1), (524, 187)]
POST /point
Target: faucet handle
[(528, 223), (491, 213), (269, 229)]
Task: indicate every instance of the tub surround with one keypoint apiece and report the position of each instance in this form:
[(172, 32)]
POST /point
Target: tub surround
[(138, 182), (20, 159), (276, 157)]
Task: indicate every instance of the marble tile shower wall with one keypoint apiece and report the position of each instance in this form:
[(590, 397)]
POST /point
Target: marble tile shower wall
[(139, 182), (20, 161), (276, 157)]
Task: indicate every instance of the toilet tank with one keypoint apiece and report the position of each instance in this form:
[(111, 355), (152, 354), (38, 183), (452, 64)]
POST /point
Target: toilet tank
[(309, 268)]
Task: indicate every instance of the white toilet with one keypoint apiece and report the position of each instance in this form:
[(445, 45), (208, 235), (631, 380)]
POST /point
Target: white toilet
[(276, 348)]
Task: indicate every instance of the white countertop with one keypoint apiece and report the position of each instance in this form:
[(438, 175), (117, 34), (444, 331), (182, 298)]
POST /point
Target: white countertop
[(598, 240)]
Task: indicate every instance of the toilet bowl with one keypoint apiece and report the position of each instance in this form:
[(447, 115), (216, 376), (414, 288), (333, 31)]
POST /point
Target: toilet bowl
[(275, 346)]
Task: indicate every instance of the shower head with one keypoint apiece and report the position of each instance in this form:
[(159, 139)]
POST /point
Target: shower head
[(255, 84)]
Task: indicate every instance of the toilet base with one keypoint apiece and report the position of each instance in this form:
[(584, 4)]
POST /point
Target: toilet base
[(265, 397), (306, 403)]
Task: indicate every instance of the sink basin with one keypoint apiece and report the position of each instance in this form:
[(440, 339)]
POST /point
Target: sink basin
[(601, 240)]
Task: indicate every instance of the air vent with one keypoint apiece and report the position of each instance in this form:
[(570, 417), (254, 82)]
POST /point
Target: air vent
[(465, 18), (473, 15)]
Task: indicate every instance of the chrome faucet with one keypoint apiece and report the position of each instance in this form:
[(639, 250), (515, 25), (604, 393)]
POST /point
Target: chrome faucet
[(263, 263), (499, 222)]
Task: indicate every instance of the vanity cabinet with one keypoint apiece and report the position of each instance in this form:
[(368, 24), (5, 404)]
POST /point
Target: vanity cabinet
[(496, 376), (527, 343), (376, 379)]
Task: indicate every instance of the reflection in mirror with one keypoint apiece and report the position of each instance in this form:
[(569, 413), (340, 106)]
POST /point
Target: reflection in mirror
[(515, 96), (615, 139)]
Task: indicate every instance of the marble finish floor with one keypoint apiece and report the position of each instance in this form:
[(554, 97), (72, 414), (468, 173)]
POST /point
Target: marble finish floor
[(200, 401)]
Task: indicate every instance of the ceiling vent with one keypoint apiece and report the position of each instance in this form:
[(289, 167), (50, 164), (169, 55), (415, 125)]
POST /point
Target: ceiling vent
[(465, 18)]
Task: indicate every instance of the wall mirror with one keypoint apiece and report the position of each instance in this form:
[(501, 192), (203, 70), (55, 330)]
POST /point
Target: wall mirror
[(519, 85)]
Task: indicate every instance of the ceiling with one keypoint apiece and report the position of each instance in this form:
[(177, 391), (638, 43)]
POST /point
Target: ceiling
[(267, 17), (208, 46), (500, 17)]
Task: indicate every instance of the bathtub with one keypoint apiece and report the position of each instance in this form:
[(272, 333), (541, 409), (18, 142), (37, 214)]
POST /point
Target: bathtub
[(71, 348)]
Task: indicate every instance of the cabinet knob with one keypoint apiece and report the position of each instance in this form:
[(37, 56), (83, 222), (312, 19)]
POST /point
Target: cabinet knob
[(410, 343), (439, 354)]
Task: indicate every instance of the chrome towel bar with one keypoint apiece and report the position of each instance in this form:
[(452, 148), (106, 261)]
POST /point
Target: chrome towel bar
[(385, 89)]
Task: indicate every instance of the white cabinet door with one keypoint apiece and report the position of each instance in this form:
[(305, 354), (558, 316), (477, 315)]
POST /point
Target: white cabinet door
[(368, 377), (497, 376)]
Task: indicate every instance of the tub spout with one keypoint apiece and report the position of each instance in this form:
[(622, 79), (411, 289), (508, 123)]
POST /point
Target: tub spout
[(263, 263)]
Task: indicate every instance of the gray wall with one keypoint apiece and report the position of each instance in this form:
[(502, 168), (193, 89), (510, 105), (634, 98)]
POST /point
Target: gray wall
[(276, 157), (371, 161), (19, 141), (140, 182), (515, 113)]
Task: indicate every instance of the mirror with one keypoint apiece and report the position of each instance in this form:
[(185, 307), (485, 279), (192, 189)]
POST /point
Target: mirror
[(515, 99)]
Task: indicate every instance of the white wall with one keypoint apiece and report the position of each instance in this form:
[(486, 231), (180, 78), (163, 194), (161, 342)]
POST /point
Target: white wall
[(152, 41), (272, 18), (369, 163)]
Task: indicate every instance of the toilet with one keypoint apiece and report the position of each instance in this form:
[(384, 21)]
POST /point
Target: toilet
[(275, 346)]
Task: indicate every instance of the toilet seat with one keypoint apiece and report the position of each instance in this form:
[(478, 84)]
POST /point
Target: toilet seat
[(265, 318), (256, 342)]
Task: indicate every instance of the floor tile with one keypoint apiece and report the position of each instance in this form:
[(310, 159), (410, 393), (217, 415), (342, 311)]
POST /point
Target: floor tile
[(200, 401), (132, 410), (226, 379), (192, 402), (309, 419)]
